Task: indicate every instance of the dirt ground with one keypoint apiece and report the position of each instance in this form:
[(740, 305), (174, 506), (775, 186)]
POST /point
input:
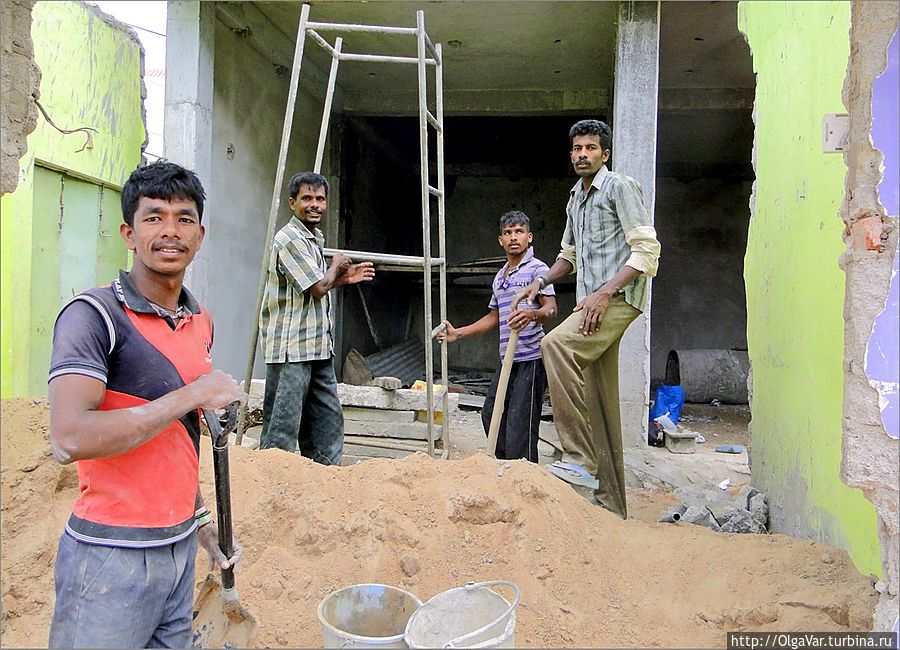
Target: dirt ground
[(725, 424), (588, 579)]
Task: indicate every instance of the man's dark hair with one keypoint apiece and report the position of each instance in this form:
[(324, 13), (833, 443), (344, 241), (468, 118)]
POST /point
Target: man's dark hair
[(592, 127), (315, 181), (515, 218), (161, 180)]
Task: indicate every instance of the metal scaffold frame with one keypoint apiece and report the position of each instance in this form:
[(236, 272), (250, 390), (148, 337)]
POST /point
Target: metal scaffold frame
[(427, 54)]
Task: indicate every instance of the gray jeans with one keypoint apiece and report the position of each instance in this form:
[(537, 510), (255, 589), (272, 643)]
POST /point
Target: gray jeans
[(113, 597), (301, 408)]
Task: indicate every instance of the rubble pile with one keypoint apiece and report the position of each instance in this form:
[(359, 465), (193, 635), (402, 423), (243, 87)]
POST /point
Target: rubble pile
[(714, 508)]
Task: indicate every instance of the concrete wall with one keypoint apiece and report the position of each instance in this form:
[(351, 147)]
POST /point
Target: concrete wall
[(490, 169), (870, 208), (702, 217), (19, 82), (92, 69), (795, 288), (249, 100)]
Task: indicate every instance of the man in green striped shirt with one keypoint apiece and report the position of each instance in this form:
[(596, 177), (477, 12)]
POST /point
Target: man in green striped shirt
[(301, 405)]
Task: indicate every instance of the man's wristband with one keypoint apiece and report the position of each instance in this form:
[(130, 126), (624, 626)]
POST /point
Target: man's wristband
[(203, 517), (541, 280)]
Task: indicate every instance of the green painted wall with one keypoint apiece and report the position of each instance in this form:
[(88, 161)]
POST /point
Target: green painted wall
[(795, 288), (91, 76)]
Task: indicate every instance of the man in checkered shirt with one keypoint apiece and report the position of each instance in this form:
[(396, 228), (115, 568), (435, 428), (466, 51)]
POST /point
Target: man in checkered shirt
[(301, 405)]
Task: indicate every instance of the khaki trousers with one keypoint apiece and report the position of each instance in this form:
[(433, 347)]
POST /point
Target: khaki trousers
[(583, 375)]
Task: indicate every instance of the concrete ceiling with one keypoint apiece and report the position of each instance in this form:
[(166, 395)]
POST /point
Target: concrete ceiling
[(509, 57), (704, 61), (499, 57)]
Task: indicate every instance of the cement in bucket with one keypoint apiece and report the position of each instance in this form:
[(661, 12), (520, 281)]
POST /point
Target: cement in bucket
[(472, 616), (366, 616)]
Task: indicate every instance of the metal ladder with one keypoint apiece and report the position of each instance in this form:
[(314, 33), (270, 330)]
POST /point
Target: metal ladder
[(427, 54)]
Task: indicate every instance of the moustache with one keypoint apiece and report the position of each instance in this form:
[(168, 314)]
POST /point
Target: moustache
[(173, 245)]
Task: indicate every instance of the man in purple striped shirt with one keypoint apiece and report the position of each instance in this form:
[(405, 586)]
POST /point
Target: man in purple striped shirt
[(518, 436)]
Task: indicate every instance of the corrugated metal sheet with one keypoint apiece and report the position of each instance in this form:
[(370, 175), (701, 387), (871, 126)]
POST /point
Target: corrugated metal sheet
[(405, 361)]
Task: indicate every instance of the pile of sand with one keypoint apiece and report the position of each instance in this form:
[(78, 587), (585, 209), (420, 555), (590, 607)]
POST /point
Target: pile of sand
[(587, 577)]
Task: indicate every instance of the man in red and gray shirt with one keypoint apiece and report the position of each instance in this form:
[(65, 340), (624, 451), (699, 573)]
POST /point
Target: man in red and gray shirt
[(518, 435), (129, 373)]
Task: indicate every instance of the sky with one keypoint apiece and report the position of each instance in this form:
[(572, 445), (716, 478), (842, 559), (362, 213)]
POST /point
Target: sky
[(148, 19)]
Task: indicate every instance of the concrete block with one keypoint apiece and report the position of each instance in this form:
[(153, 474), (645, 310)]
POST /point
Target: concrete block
[(742, 521), (725, 511), (759, 508), (701, 496), (395, 400), (378, 415), (406, 431), (681, 442), (387, 383), (743, 497), (701, 517)]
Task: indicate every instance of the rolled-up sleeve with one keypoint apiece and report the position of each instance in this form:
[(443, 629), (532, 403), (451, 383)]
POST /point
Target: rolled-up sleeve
[(640, 234), (645, 249)]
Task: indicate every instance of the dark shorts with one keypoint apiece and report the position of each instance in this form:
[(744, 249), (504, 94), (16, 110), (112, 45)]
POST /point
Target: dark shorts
[(113, 597), (519, 427)]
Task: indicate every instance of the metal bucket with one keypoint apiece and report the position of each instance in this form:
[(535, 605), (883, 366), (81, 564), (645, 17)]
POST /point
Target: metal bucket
[(366, 616), (471, 616)]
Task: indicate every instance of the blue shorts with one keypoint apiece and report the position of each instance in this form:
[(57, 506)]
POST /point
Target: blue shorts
[(114, 597)]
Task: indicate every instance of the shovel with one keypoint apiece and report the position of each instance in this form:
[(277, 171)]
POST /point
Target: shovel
[(500, 399), (220, 621)]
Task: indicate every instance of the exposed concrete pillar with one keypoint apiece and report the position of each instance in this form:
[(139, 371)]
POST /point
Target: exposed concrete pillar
[(634, 154), (190, 36)]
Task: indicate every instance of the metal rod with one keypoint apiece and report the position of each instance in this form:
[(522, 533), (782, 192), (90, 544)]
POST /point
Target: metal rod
[(432, 120), (369, 320), (349, 27), (426, 224), (273, 211), (365, 441), (442, 242), (326, 112), (435, 191), (435, 51), (385, 258), (323, 43), (383, 58)]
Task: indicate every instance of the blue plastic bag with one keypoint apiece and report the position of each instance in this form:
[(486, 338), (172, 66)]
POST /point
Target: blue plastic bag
[(668, 399)]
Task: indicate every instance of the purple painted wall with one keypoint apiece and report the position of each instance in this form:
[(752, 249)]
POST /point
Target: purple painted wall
[(883, 350)]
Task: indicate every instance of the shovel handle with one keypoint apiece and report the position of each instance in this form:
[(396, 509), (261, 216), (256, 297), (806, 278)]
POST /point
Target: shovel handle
[(223, 483), (502, 383)]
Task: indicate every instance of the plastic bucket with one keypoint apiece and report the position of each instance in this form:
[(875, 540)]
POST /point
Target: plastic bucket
[(366, 616), (472, 616)]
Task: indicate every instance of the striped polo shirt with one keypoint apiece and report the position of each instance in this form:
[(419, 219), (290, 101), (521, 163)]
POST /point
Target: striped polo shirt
[(507, 283), (144, 497), (294, 325)]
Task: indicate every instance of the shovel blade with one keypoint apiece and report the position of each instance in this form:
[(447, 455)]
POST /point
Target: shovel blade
[(220, 621)]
